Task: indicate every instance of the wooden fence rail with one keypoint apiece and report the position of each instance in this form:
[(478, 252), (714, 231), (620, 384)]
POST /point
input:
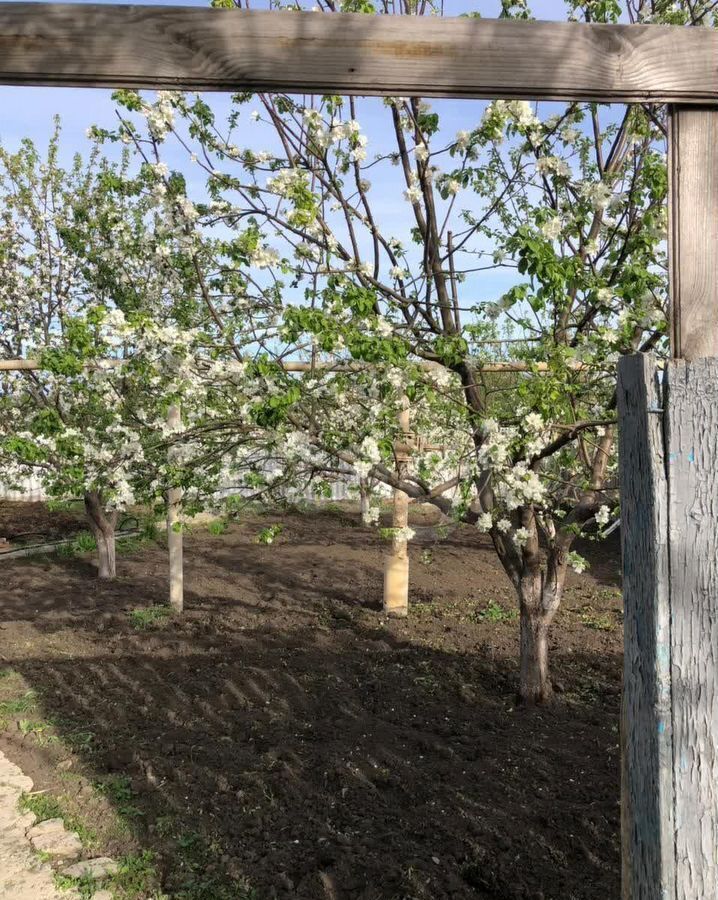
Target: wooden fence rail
[(180, 48)]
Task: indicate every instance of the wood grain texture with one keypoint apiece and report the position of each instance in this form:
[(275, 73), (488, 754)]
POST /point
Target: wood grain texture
[(217, 49), (693, 231), (647, 791), (692, 453)]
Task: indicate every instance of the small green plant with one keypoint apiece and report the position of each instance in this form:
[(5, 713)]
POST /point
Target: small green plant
[(597, 622), (83, 542), (137, 876), (44, 806), (23, 704), (268, 534), (427, 557), (149, 617), (118, 789), (80, 740), (28, 726), (494, 612), (84, 887), (148, 528), (217, 527), (165, 826), (131, 544)]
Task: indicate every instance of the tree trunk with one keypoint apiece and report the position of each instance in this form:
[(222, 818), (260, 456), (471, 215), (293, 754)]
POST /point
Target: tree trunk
[(534, 679), (364, 502), (102, 525), (538, 603)]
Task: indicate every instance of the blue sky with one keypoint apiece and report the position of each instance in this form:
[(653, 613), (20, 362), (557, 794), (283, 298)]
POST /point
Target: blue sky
[(28, 112)]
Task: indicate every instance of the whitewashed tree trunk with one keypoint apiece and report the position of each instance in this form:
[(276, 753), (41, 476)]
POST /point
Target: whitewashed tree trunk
[(102, 525), (174, 529), (396, 571), (539, 600), (365, 502)]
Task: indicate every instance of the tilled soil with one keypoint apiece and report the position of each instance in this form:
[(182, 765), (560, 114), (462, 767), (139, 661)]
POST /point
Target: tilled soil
[(30, 522), (283, 740)]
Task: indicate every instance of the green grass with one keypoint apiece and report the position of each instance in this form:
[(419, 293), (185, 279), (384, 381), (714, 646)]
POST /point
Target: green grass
[(597, 622), (217, 527), (494, 612), (131, 544), (136, 879), (38, 729), (149, 617), (85, 887), (44, 806), (118, 789), (268, 534), (82, 741), (82, 543), (23, 704), (48, 806)]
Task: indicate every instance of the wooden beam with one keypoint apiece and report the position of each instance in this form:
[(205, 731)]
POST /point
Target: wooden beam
[(693, 231), (191, 48)]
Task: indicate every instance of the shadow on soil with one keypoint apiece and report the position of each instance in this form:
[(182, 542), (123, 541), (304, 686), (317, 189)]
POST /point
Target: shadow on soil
[(278, 741)]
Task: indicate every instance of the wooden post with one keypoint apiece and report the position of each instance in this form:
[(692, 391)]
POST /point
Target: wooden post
[(396, 572), (693, 230), (174, 533), (647, 791), (669, 511)]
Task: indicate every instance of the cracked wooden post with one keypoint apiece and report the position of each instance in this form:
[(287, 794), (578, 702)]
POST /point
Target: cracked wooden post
[(396, 572), (174, 532), (669, 513)]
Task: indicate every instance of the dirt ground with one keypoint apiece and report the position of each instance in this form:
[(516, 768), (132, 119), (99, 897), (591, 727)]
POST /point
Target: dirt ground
[(30, 523), (283, 740)]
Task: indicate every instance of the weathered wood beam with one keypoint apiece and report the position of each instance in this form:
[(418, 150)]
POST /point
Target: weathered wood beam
[(191, 48), (693, 231)]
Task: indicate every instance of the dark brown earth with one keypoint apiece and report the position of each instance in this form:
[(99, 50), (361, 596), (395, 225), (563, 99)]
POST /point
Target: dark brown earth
[(282, 739), (26, 523)]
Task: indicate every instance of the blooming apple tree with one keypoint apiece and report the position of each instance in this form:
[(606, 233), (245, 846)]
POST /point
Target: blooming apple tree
[(86, 292), (566, 202)]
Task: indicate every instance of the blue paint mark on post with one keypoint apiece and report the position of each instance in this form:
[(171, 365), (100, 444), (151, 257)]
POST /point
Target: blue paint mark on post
[(691, 457)]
